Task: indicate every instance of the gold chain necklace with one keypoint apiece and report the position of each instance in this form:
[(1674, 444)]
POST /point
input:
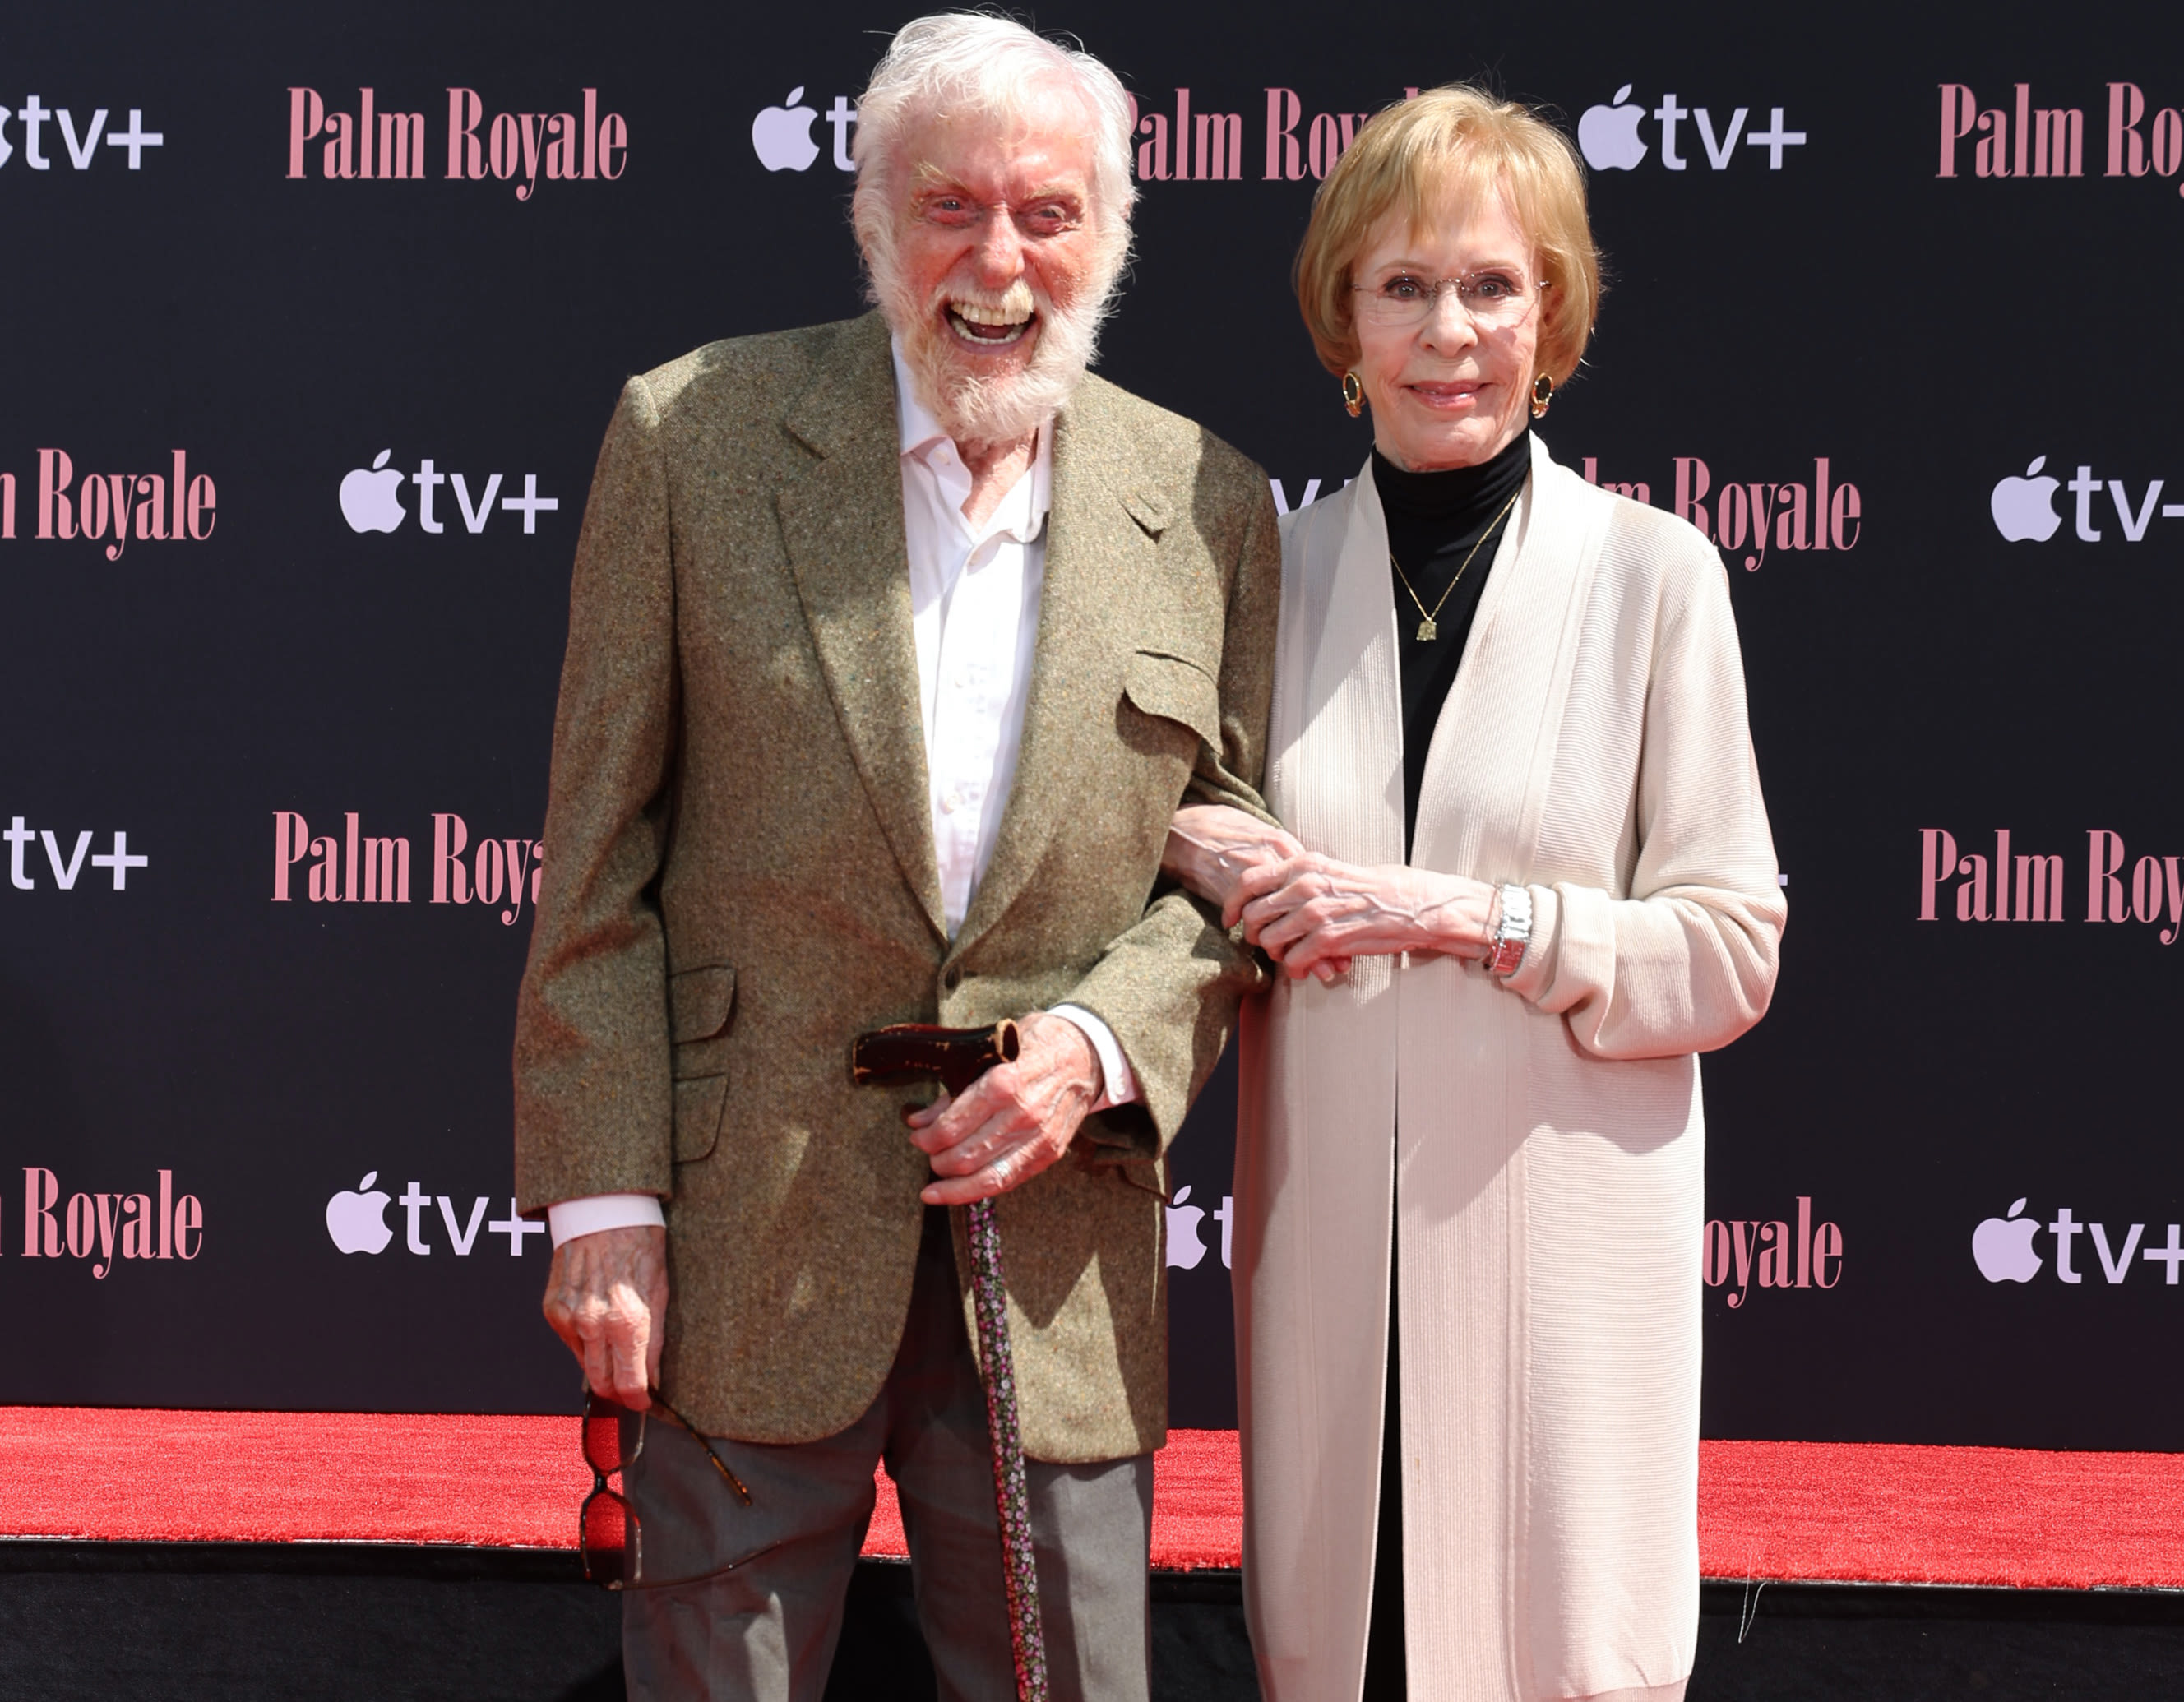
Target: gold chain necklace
[(1427, 631)]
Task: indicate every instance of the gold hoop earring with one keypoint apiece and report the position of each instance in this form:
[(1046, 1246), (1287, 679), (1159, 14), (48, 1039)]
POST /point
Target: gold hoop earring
[(1353, 393), (1543, 395)]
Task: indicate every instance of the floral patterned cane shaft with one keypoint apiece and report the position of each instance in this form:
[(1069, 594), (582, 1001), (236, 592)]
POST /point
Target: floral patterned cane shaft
[(1026, 1638)]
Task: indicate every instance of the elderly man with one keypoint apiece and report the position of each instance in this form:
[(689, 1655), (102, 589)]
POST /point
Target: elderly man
[(894, 644)]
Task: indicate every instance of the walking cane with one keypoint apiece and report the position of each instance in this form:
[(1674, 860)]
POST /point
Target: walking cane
[(895, 1057)]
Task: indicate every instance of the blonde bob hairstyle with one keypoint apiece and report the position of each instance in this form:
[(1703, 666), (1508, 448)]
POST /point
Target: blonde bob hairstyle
[(1455, 143)]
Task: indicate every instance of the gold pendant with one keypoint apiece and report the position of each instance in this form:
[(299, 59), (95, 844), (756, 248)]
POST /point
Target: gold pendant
[(1427, 630)]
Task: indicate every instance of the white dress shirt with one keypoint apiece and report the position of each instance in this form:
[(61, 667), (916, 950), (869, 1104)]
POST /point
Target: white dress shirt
[(974, 595)]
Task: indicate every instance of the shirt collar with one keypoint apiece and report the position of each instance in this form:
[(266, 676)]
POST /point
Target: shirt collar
[(920, 430), (1023, 511)]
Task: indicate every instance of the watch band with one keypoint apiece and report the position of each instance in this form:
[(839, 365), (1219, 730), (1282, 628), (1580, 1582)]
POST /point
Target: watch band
[(1507, 949)]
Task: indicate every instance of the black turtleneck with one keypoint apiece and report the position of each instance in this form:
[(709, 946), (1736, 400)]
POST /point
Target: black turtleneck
[(1435, 520)]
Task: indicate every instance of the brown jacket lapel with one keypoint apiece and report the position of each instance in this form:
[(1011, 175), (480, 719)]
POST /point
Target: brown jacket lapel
[(1100, 534), (841, 520)]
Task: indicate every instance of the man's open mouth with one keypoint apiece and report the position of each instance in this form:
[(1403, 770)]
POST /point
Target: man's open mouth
[(986, 327)]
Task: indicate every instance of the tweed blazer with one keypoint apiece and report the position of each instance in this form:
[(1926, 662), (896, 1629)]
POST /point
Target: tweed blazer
[(742, 875)]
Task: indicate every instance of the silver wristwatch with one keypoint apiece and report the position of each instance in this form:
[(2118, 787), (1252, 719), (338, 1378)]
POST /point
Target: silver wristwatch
[(1507, 949)]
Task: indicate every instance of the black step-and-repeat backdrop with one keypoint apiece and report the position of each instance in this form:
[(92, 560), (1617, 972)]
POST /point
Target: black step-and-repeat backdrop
[(312, 324)]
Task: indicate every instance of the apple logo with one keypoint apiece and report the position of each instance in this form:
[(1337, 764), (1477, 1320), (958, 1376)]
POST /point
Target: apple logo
[(357, 1220), (2025, 507), (1185, 1249), (371, 501), (1608, 135), (2003, 1246), (782, 135)]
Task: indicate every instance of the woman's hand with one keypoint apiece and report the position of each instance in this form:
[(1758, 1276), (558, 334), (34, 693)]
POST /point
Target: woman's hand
[(1313, 911), (1210, 846)]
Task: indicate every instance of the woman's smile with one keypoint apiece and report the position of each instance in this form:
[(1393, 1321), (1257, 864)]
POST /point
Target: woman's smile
[(1449, 395)]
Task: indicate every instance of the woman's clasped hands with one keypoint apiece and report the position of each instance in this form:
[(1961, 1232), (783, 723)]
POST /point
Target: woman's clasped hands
[(1312, 913)]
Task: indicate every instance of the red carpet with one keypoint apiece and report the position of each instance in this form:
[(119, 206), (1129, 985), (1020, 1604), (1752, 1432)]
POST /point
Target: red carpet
[(1767, 1510), (358, 1477), (1889, 1514)]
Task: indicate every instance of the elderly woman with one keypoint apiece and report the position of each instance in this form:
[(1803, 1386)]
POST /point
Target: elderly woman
[(1531, 879)]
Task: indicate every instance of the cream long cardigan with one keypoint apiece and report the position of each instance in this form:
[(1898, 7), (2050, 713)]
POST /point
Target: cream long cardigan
[(1542, 1136)]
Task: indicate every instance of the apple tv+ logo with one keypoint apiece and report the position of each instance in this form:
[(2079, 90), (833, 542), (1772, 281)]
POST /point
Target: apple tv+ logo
[(781, 136), (1184, 1247), (1608, 136), (356, 1221), (2001, 1247), (371, 498), (67, 867), (2023, 508), (82, 147)]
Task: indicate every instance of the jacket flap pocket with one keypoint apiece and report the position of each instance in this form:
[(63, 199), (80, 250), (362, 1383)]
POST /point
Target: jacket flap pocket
[(1178, 689), (699, 1001), (700, 1107)]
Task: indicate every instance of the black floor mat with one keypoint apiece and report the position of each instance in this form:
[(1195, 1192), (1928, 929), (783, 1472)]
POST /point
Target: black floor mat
[(222, 1623)]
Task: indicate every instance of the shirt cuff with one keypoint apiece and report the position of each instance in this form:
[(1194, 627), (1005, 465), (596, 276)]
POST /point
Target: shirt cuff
[(1121, 1085), (571, 1218)]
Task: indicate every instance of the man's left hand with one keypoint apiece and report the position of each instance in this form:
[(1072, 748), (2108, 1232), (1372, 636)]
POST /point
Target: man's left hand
[(1015, 1120)]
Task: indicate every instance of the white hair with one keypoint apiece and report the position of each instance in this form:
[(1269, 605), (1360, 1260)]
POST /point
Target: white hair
[(986, 63)]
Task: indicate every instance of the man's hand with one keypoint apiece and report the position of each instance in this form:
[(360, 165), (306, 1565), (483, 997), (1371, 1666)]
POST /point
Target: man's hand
[(1015, 1120), (1314, 910), (606, 1297), (1211, 848), (1210, 845)]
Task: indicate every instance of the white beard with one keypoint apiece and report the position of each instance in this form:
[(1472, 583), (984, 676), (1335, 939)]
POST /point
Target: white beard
[(973, 408)]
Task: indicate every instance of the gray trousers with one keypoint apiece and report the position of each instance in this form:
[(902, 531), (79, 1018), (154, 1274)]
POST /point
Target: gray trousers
[(766, 1631)]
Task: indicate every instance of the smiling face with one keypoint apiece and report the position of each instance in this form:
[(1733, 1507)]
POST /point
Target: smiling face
[(989, 270), (1448, 392)]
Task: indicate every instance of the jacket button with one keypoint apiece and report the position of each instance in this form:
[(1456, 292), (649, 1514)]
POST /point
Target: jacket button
[(953, 979)]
